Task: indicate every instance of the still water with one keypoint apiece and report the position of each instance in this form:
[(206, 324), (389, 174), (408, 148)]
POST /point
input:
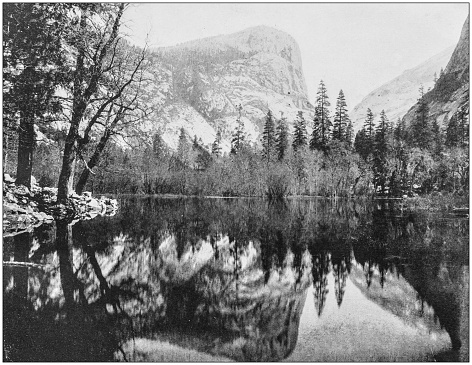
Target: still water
[(240, 279)]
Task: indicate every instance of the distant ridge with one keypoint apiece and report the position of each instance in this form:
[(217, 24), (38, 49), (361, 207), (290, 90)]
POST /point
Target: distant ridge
[(399, 94)]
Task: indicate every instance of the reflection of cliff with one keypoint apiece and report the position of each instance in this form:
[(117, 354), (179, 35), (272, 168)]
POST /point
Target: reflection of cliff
[(254, 320), (401, 298), (419, 261)]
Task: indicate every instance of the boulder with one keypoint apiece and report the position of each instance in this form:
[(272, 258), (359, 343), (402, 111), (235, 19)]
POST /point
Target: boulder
[(22, 190), (93, 204), (8, 179)]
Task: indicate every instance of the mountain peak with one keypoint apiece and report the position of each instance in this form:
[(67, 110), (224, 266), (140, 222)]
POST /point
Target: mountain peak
[(258, 68), (249, 41)]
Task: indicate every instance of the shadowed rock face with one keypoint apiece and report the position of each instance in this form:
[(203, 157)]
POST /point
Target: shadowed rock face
[(451, 91), (204, 81)]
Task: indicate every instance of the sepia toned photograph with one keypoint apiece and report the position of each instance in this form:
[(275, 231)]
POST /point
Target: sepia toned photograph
[(235, 182)]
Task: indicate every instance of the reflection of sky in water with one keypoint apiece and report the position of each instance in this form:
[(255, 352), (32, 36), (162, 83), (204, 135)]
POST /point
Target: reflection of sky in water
[(249, 281)]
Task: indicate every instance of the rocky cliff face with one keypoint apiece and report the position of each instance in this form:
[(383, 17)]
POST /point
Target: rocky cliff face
[(399, 94), (452, 89), (202, 82)]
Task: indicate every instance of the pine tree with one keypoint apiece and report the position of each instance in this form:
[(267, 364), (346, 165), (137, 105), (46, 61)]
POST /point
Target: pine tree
[(239, 135), (457, 130), (452, 132), (399, 132), (299, 132), (322, 115), (268, 138), (195, 143), (158, 145), (381, 134), (369, 124), (349, 133), (281, 138), (381, 152), (360, 144), (316, 140), (341, 118), (183, 148), (420, 135), (437, 138), (216, 146), (33, 68)]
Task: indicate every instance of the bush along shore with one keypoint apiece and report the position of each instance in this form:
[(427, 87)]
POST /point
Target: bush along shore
[(24, 209)]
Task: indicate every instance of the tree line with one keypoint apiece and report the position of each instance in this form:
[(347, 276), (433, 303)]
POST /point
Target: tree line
[(72, 78)]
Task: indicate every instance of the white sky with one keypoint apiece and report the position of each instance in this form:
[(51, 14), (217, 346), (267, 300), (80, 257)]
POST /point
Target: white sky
[(354, 47)]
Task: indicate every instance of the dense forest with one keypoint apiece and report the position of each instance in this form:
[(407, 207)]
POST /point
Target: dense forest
[(75, 93)]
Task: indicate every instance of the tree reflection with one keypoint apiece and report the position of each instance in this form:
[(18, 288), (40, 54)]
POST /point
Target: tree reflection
[(340, 277), (427, 252), (320, 271), (231, 274)]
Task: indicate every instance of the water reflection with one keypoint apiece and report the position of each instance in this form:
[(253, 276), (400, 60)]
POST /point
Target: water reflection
[(228, 278)]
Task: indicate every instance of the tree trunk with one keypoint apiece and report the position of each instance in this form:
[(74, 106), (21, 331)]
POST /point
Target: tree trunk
[(67, 171), (92, 162), (25, 150), (63, 247)]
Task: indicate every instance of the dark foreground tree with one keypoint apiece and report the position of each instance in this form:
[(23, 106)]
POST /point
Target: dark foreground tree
[(95, 43), (33, 60)]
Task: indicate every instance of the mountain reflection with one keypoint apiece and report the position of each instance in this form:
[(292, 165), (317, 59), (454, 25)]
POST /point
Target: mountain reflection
[(226, 277)]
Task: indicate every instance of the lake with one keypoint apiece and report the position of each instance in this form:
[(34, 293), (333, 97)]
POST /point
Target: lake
[(187, 279)]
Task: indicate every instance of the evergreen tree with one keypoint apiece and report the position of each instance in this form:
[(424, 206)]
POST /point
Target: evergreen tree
[(400, 133), (381, 153), (349, 133), (420, 134), (360, 144), (452, 132), (268, 138), (183, 148), (316, 140), (437, 138), (33, 68), (369, 127), (457, 130), (322, 117), (282, 138), (299, 132), (216, 146), (381, 135), (341, 118), (239, 135), (158, 145)]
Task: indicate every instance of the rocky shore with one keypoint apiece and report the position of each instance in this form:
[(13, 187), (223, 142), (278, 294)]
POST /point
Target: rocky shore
[(24, 209)]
